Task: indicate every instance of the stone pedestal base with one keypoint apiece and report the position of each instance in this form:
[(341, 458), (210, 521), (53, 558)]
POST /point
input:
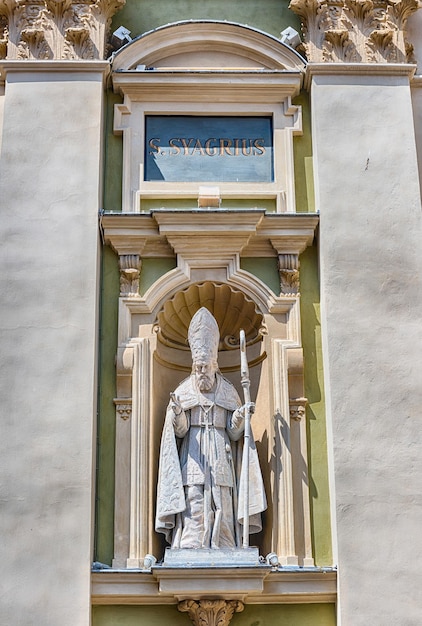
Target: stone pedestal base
[(203, 557)]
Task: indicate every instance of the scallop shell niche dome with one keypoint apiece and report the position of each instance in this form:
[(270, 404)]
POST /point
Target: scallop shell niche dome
[(232, 310)]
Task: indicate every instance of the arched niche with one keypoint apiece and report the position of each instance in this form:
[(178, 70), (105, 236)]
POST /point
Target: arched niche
[(153, 358), (171, 359)]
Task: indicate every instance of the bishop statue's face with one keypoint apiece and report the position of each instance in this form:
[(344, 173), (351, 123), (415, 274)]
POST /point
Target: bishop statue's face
[(205, 375)]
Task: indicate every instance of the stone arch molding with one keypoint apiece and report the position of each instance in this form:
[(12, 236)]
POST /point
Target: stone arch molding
[(207, 45)]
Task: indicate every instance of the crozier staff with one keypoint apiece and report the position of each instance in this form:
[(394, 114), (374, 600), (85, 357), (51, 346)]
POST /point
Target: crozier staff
[(245, 382), (201, 490)]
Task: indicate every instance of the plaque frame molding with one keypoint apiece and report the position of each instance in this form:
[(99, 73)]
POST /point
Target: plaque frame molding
[(264, 85)]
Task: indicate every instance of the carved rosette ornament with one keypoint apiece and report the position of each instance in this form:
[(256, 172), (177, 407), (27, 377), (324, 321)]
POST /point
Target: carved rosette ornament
[(288, 267), (130, 270), (55, 29), (211, 612), (355, 31)]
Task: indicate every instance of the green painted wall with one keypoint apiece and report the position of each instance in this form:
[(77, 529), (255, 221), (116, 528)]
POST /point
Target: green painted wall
[(141, 16), (264, 269), (152, 270), (106, 410), (314, 391), (253, 615), (113, 157), (302, 147)]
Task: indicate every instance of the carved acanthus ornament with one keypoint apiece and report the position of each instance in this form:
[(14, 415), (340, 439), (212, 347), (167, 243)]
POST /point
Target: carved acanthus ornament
[(55, 29), (298, 408), (130, 269), (4, 34), (288, 267), (211, 612), (355, 31)]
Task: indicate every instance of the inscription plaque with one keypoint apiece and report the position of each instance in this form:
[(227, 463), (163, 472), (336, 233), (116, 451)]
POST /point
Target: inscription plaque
[(183, 148)]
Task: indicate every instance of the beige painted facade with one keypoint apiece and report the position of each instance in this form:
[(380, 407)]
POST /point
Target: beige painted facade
[(49, 197), (382, 367), (365, 87)]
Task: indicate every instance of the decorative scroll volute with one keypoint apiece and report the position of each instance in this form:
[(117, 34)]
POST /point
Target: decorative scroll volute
[(55, 29), (355, 31), (211, 612)]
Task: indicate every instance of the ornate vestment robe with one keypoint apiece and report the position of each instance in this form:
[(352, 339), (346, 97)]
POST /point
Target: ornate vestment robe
[(200, 495)]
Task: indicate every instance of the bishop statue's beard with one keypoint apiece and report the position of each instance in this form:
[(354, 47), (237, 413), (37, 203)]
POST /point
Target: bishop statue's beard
[(205, 383)]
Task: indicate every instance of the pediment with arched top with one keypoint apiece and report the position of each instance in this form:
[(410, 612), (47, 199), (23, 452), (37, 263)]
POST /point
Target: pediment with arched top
[(207, 45)]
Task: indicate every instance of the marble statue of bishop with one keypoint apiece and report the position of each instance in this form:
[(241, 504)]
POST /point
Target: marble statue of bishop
[(201, 490)]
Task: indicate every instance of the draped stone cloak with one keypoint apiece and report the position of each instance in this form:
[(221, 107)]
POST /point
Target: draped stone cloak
[(179, 465)]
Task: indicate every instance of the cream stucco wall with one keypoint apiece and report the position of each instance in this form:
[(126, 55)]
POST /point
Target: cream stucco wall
[(1, 111), (371, 275), (49, 194), (414, 31), (414, 35), (417, 116)]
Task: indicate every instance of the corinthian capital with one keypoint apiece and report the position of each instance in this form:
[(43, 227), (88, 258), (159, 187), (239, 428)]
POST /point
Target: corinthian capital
[(210, 612), (355, 31), (55, 29)]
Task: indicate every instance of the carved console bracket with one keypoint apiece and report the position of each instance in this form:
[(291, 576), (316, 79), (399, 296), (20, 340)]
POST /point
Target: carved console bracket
[(211, 612), (130, 269), (288, 267), (355, 31), (46, 29)]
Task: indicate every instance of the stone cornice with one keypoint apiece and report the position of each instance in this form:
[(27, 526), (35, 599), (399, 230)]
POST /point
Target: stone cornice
[(355, 31), (267, 86), (417, 81), (252, 232), (32, 66), (358, 69), (46, 29), (260, 585)]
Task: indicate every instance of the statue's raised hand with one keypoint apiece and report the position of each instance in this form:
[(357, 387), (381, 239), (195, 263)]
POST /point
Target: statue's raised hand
[(175, 405)]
